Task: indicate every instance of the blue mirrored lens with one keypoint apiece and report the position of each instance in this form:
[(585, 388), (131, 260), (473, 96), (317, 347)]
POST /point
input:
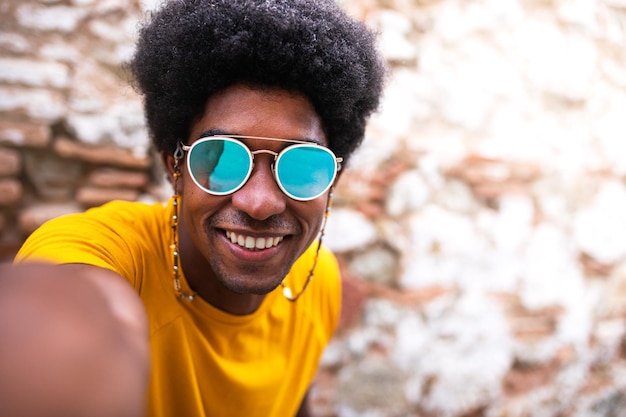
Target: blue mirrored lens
[(219, 166), (305, 171)]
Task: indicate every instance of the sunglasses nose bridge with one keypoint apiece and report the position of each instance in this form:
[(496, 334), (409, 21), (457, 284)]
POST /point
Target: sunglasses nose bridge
[(274, 156), (266, 151), (255, 153)]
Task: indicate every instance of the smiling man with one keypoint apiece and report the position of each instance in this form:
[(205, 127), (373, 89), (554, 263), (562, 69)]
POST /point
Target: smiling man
[(255, 106)]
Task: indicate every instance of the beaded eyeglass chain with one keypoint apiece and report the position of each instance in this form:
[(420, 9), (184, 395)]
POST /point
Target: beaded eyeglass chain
[(286, 290), (178, 155)]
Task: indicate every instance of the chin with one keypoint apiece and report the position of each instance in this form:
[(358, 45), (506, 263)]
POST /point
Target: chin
[(254, 288)]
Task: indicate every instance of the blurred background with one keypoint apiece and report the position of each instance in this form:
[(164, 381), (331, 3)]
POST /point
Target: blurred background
[(481, 228)]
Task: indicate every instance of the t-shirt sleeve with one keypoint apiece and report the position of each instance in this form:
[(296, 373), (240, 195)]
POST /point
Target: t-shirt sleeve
[(80, 238)]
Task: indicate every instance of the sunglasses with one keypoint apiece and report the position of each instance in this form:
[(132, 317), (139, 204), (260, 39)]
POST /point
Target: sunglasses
[(220, 165)]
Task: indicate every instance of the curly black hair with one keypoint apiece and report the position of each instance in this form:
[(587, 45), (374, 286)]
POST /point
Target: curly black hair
[(191, 49)]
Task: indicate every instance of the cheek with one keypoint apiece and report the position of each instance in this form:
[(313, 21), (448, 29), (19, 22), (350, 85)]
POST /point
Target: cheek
[(316, 213), (195, 202), (188, 188), (191, 196)]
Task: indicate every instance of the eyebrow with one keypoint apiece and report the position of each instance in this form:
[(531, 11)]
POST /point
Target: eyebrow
[(220, 132)]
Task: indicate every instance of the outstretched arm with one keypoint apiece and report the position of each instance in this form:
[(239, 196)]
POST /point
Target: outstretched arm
[(73, 341)]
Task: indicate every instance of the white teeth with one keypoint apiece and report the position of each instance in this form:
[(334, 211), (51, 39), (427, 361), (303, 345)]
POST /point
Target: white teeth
[(250, 242)]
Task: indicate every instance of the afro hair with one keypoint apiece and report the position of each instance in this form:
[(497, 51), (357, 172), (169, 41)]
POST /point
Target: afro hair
[(189, 50)]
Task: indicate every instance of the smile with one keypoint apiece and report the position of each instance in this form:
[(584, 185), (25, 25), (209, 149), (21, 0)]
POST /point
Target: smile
[(250, 242)]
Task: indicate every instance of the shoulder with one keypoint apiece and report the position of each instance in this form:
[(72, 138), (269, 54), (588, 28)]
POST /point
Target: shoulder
[(105, 236), (324, 265), (327, 272), (126, 211), (321, 301), (108, 216)]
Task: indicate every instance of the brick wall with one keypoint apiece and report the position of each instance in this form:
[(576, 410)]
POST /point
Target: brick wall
[(71, 128)]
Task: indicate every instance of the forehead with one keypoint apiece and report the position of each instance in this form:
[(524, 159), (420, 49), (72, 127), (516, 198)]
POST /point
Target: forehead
[(265, 112)]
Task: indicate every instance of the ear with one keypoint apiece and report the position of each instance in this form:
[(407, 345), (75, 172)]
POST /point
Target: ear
[(168, 163), (339, 172)]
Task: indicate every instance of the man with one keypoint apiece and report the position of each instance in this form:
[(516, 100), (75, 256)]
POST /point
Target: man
[(254, 106)]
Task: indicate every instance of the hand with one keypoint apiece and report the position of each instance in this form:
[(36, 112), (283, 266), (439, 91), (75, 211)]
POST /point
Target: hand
[(73, 342)]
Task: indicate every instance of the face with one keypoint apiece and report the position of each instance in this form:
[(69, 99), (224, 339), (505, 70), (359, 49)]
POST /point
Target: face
[(259, 214)]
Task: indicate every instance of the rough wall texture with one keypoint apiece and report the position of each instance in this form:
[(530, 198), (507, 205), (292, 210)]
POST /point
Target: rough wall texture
[(488, 275), (481, 228), (71, 129)]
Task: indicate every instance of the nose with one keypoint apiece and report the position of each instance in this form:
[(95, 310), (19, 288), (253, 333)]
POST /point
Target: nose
[(260, 197)]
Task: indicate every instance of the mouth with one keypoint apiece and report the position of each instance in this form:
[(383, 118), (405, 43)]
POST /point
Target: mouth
[(253, 242)]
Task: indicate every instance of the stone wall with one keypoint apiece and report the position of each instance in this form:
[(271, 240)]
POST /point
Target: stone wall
[(480, 229), (71, 128), (482, 226)]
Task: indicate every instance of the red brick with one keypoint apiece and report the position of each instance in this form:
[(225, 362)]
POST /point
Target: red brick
[(24, 134)]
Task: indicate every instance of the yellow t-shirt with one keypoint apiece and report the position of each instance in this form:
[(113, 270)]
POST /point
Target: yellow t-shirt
[(205, 362)]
